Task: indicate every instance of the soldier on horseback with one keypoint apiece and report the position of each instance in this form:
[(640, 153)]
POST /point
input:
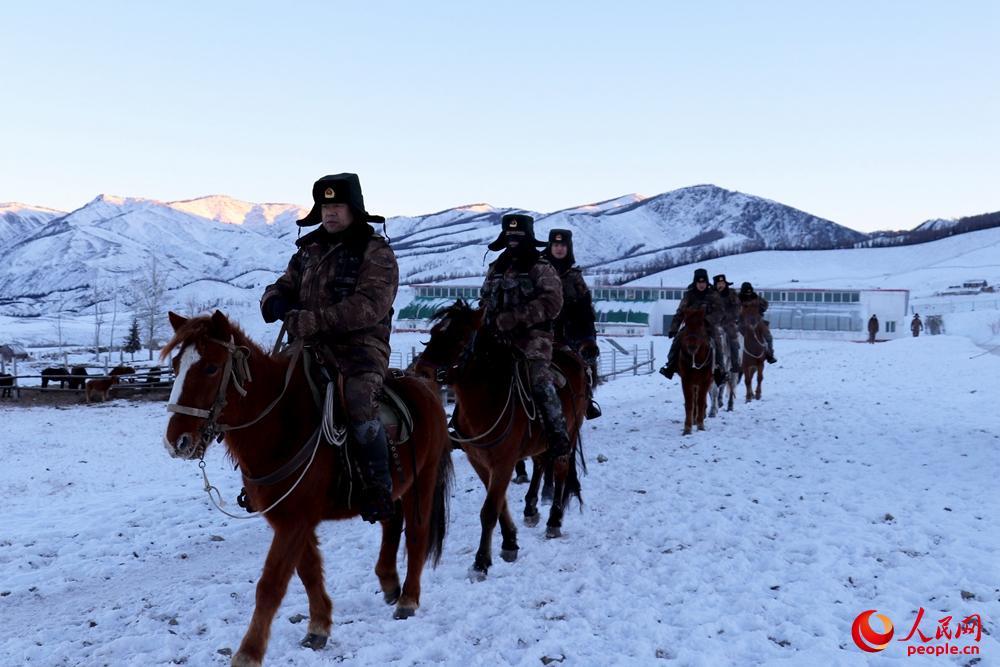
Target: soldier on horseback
[(336, 295), (730, 319), (574, 328), (748, 296), (521, 297), (698, 295)]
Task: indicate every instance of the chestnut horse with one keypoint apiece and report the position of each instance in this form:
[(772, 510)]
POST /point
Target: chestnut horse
[(694, 365), (263, 405), (492, 423), (754, 347), (99, 387)]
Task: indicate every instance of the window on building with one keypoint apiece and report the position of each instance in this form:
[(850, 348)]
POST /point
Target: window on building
[(890, 326)]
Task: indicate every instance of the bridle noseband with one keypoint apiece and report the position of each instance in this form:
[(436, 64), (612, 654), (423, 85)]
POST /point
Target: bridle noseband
[(237, 371)]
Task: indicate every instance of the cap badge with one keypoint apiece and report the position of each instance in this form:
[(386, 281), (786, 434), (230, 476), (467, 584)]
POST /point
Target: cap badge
[(329, 194)]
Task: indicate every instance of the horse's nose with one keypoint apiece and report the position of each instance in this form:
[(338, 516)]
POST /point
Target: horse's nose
[(181, 447)]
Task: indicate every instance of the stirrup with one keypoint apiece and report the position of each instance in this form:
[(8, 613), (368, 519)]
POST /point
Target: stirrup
[(376, 504), (593, 410)]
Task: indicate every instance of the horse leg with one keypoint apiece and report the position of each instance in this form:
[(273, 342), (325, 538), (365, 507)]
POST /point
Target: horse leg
[(716, 389), (702, 404), (496, 493), (748, 379), (508, 530), (385, 567), (417, 510), (760, 378), (560, 470), (310, 570), (282, 558), (732, 390), (531, 514), (688, 406)]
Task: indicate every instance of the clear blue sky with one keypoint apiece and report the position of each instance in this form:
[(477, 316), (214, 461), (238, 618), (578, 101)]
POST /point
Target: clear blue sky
[(873, 114)]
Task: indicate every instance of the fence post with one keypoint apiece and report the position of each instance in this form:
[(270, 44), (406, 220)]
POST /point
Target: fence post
[(3, 365), (614, 363), (17, 385), (650, 356), (635, 360)]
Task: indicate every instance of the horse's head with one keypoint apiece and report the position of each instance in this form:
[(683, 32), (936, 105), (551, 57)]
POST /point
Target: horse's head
[(210, 357), (750, 315), (694, 335), (452, 337)]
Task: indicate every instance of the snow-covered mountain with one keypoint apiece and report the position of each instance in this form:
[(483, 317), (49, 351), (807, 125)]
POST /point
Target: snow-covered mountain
[(18, 221), (240, 246)]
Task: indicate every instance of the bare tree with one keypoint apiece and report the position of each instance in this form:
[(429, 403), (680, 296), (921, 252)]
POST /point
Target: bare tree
[(98, 297), (150, 302), (114, 318)]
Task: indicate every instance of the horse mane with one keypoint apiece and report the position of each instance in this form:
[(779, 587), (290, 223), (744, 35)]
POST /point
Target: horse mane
[(202, 326), (460, 307)]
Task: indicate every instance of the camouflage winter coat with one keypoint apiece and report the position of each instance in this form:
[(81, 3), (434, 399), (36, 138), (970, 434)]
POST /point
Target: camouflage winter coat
[(575, 323), (754, 299), (349, 280), (708, 300), (529, 289), (730, 307)]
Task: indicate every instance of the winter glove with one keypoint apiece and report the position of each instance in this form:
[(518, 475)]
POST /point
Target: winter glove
[(302, 323), (274, 308), (506, 321)]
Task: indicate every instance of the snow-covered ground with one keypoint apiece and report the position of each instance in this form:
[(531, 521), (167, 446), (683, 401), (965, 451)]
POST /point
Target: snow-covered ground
[(864, 479)]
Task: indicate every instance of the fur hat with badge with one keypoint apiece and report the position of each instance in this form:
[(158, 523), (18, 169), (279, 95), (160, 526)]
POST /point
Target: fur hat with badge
[(517, 225), (722, 277), (565, 237), (339, 189)]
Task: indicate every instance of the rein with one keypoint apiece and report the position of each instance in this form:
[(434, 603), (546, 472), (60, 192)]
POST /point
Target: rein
[(756, 339)]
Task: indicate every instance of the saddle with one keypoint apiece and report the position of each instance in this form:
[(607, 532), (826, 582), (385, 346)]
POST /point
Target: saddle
[(328, 392)]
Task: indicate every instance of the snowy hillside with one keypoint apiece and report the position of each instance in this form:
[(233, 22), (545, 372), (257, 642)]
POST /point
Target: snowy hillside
[(113, 239), (757, 542), (18, 221)]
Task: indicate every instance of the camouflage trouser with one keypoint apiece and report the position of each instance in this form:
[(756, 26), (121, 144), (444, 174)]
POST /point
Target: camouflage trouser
[(733, 336), (538, 352), (361, 395)]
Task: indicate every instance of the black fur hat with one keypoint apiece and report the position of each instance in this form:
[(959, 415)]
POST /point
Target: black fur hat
[(519, 224), (700, 274), (722, 277), (746, 288), (564, 236), (338, 189)]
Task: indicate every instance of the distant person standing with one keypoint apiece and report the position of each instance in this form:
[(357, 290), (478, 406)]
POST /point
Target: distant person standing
[(916, 326), (872, 328)]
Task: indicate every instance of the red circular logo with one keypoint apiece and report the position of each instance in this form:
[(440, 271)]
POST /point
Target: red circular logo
[(866, 637)]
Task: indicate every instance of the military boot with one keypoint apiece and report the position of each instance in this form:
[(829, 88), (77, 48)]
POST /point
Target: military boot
[(550, 407), (373, 452), (721, 374), (668, 369)]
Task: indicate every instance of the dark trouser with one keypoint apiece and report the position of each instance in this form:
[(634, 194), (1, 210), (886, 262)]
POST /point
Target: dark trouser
[(733, 337), (871, 336), (547, 400), (361, 397)]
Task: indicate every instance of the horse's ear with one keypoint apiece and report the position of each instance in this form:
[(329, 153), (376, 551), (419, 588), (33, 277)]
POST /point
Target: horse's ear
[(220, 324), (176, 321)]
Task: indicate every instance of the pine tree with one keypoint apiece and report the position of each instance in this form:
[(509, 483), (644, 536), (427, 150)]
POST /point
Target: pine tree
[(133, 344)]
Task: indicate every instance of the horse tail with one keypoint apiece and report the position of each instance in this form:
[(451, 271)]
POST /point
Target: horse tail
[(573, 487), (439, 506)]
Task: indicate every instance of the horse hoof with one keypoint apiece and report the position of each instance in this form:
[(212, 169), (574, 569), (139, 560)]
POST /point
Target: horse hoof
[(531, 520), (314, 641), (701, 427), (391, 597), (403, 613), (552, 532), (241, 660), (476, 575), (687, 431), (509, 555), (520, 479)]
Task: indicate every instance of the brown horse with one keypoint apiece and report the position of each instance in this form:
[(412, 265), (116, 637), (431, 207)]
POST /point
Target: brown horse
[(79, 377), (223, 378), (694, 365), (754, 347), (493, 426), (6, 385), (99, 388)]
